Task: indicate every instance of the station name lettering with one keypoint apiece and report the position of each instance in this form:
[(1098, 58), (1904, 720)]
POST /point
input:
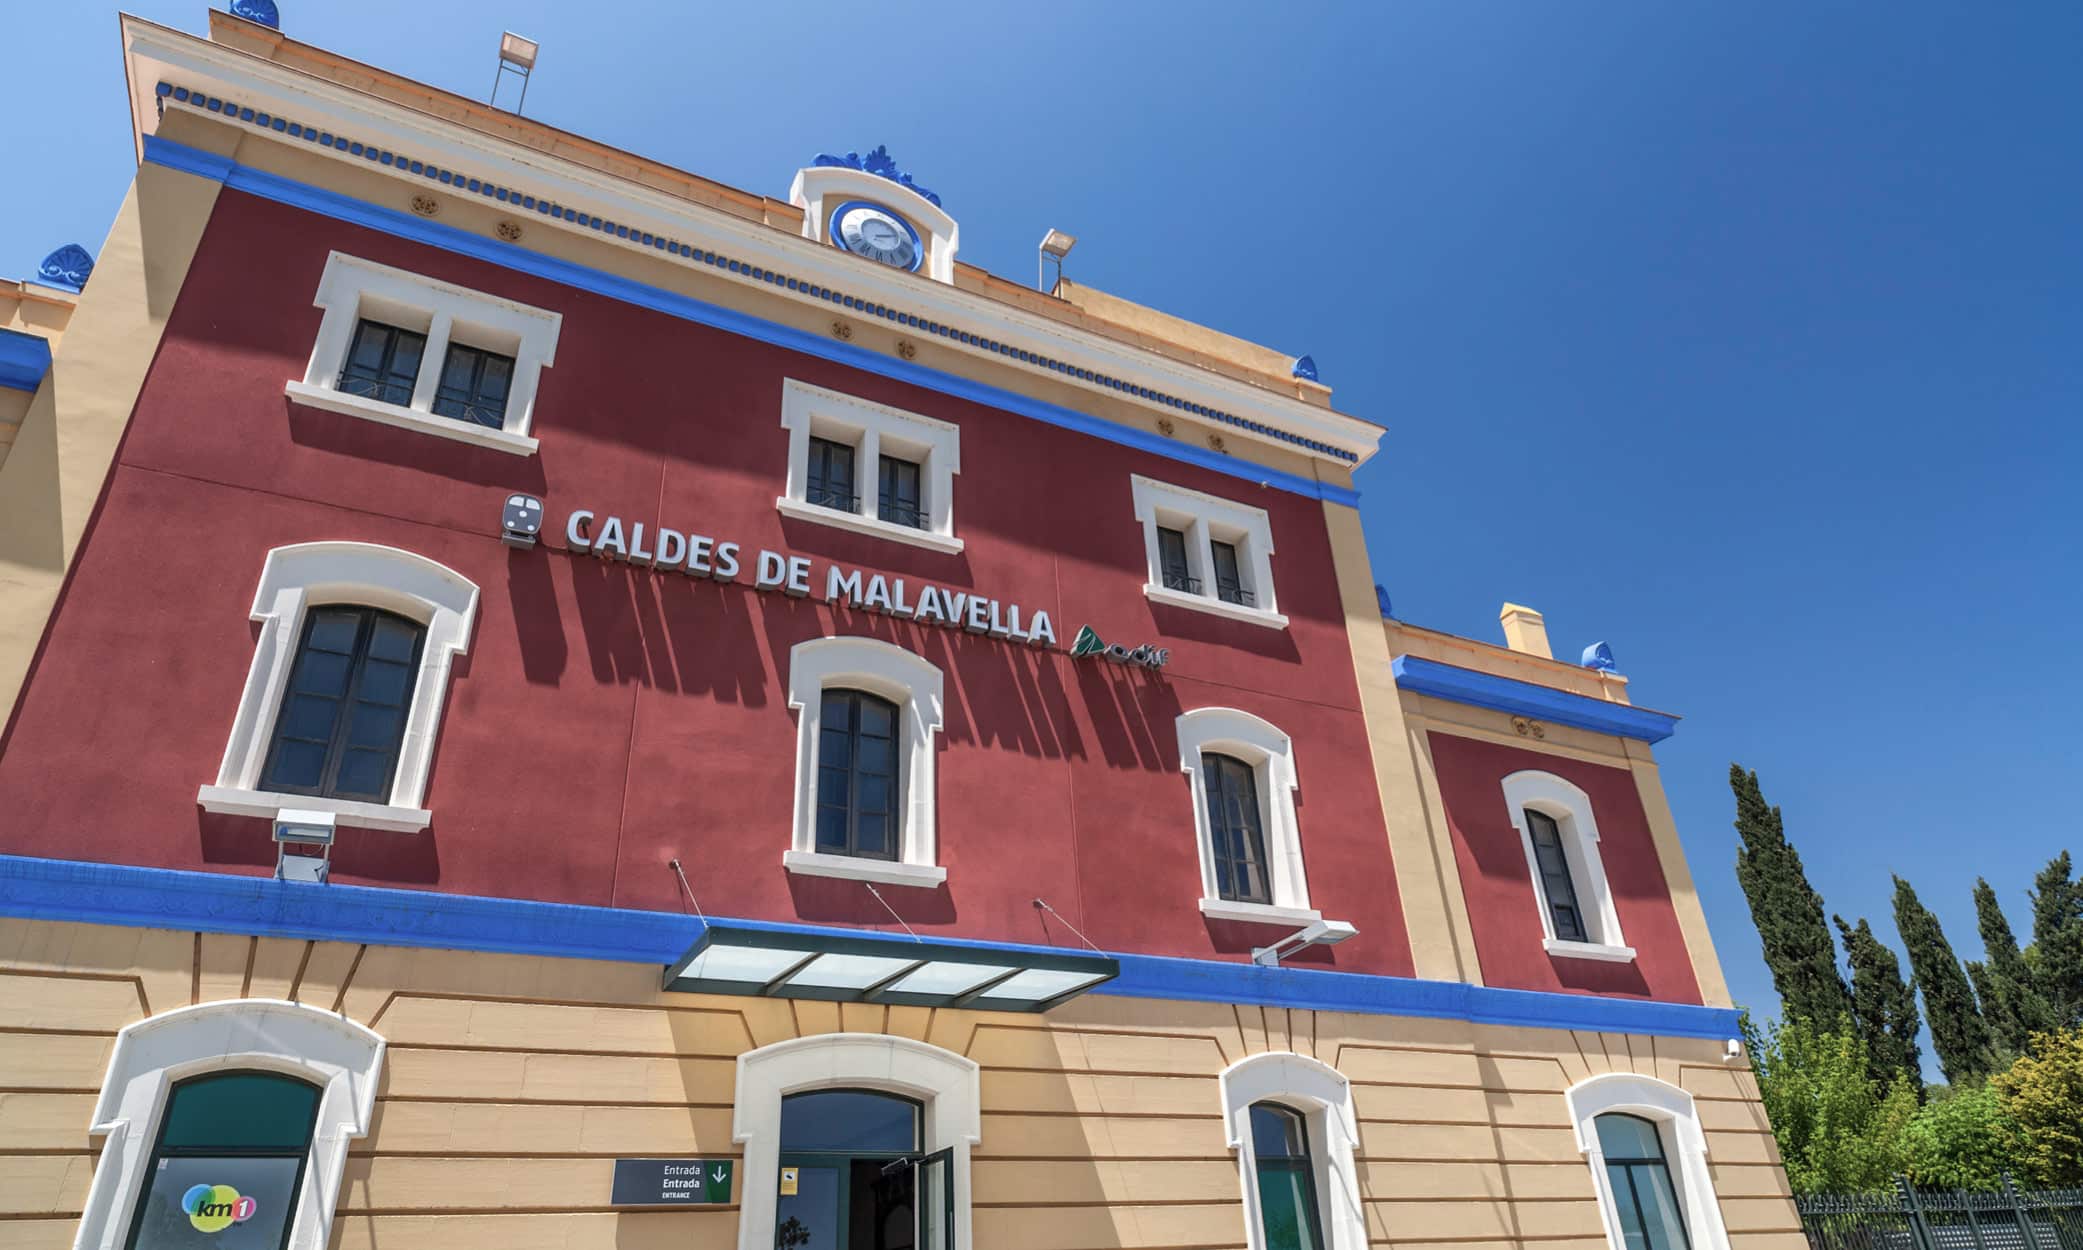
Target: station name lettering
[(698, 555)]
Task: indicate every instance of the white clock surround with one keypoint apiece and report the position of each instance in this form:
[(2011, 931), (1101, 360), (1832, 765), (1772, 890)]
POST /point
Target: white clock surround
[(819, 189)]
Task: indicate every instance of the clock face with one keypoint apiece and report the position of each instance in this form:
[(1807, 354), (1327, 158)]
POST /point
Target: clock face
[(876, 233)]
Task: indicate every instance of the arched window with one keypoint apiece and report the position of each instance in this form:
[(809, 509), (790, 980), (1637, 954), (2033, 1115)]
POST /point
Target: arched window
[(226, 1126), (868, 713), (342, 718), (1559, 834), (1644, 1200), (1236, 826), (1288, 1211), (1242, 778), (1290, 1119), (228, 1163), (1648, 1160), (343, 702), (857, 775)]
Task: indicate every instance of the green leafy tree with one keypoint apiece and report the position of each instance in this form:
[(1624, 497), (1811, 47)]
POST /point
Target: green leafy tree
[(2057, 940), (1838, 1129), (1884, 1007), (2010, 997), (1958, 1032), (1961, 1139), (2043, 1094), (1787, 911)]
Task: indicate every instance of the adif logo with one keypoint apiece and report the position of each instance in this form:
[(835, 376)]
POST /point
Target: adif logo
[(1088, 642), (214, 1208)]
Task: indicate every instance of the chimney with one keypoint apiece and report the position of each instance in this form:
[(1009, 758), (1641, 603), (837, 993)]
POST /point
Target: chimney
[(1524, 630)]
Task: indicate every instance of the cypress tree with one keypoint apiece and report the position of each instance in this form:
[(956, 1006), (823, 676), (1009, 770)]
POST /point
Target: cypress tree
[(1787, 911), (2011, 999), (1884, 1008), (2057, 940), (1958, 1032)]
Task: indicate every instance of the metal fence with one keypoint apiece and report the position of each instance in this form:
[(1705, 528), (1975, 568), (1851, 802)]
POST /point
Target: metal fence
[(1937, 1219)]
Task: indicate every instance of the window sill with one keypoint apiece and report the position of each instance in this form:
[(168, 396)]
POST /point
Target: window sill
[(1589, 950), (1214, 606), (232, 801), (1259, 913), (819, 515), (849, 868), (411, 419)]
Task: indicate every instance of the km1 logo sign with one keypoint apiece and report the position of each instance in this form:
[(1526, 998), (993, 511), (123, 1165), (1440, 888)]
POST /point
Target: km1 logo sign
[(1088, 642)]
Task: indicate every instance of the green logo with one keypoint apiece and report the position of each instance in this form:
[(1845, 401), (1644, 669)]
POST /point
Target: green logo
[(1088, 642)]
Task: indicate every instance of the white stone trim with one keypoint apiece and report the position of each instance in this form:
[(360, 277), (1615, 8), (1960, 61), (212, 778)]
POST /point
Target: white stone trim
[(1672, 1111), (871, 428), (352, 288), (853, 868), (1320, 1092), (1205, 518), (1272, 754), (1259, 913), (341, 1057), (155, 53), (915, 686), (944, 1082), (364, 574), (1570, 808), (819, 190)]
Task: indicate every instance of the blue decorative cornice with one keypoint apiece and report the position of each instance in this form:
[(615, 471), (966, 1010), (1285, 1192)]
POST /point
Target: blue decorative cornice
[(24, 359), (1305, 368), (181, 156), (1381, 599), (162, 898), (878, 163), (1524, 698), (261, 11), (70, 267)]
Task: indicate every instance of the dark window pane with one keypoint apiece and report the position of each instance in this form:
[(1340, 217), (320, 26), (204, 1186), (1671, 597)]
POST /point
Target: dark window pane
[(473, 386), (831, 475), (241, 1111), (196, 1202), (1640, 1174), (1172, 563), (857, 783), (1286, 1179), (850, 1121), (338, 730), (1557, 886), (1229, 582), (1276, 1132), (899, 501), (382, 362), (1235, 825)]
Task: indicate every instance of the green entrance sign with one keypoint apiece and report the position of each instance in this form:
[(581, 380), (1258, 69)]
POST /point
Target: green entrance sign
[(671, 1182), (1088, 642)]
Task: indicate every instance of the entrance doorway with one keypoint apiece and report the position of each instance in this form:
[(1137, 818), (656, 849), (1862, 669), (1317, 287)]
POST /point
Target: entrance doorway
[(855, 1175)]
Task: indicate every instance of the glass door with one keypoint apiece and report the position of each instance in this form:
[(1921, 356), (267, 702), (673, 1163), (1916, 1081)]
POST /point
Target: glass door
[(935, 1197)]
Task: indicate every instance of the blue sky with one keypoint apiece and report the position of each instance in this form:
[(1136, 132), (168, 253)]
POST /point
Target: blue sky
[(1749, 339)]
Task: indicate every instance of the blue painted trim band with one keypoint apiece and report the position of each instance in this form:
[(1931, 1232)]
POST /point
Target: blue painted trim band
[(163, 898), (1523, 698), (333, 204), (24, 359)]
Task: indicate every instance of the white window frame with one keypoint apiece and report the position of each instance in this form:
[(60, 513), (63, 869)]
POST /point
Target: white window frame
[(1205, 519), (1324, 1098), (307, 575), (352, 288), (870, 429), (1685, 1149), (1271, 754), (944, 1082), (1570, 809), (915, 686), (342, 1058)]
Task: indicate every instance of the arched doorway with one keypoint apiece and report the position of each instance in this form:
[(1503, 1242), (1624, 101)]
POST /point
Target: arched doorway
[(854, 1175)]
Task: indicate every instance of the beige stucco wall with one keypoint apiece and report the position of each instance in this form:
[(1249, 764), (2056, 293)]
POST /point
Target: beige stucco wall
[(512, 1083)]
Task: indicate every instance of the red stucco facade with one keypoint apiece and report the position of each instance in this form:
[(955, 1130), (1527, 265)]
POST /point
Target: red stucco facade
[(1503, 908), (607, 719)]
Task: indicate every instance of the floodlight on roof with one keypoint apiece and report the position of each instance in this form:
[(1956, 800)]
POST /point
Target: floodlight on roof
[(517, 55), (1055, 245)]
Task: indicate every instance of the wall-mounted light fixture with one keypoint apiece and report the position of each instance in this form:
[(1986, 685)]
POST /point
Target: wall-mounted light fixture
[(1317, 933), (303, 830)]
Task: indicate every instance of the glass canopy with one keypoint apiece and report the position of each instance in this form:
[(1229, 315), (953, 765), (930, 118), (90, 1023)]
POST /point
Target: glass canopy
[(856, 966)]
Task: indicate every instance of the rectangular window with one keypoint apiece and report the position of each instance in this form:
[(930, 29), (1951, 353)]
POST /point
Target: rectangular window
[(474, 386), (831, 475), (382, 362), (1237, 828), (899, 500), (342, 719), (1171, 558), (857, 776), (1229, 581), (1556, 882)]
